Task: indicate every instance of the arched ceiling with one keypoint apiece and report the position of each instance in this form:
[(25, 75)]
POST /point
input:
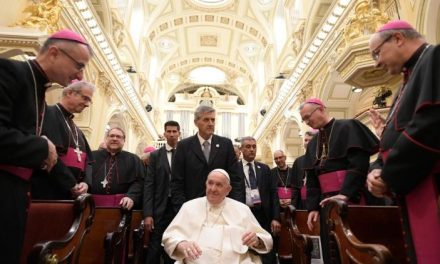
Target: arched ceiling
[(188, 34), (236, 36)]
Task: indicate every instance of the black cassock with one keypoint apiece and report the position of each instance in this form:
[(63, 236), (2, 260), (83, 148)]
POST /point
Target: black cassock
[(298, 182), (20, 98), (349, 145), (70, 169), (410, 153), (122, 173), (342, 147)]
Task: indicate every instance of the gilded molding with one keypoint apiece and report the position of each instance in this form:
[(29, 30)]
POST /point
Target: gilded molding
[(43, 15), (15, 45)]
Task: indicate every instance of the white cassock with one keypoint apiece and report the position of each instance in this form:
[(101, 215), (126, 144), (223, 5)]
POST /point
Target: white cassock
[(217, 230)]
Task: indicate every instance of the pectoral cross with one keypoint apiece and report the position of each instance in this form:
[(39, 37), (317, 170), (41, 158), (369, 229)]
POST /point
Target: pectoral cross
[(78, 153), (104, 182)]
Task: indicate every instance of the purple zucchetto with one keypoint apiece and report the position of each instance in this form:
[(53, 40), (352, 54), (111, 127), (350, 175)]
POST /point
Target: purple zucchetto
[(315, 101), (67, 34), (395, 25), (149, 149)]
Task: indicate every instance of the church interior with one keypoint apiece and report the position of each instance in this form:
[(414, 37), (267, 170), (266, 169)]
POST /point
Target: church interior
[(253, 61)]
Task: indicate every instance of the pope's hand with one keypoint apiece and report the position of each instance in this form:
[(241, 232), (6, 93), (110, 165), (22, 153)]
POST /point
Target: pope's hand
[(189, 249), (250, 239)]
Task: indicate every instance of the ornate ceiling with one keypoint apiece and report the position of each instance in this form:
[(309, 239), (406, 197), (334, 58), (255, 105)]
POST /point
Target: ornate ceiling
[(248, 40)]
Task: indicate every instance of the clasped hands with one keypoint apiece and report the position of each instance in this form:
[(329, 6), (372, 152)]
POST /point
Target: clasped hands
[(375, 184)]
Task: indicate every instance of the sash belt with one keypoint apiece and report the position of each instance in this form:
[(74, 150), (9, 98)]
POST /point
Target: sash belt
[(21, 172), (107, 200), (332, 181), (71, 159), (424, 219)]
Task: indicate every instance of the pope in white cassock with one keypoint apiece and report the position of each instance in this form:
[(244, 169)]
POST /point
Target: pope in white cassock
[(216, 229)]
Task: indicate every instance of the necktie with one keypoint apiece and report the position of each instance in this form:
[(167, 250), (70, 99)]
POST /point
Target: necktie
[(172, 151), (252, 178), (206, 150)]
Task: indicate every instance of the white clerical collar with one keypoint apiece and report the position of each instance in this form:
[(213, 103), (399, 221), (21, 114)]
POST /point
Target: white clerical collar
[(202, 140)]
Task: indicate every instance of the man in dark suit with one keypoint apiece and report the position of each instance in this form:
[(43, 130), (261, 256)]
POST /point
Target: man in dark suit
[(197, 155), (261, 191), (158, 208)]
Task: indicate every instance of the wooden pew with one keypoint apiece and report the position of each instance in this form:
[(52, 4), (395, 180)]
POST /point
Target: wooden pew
[(284, 240), (364, 234), (107, 241), (116, 243), (299, 242), (294, 246), (55, 230), (139, 238)]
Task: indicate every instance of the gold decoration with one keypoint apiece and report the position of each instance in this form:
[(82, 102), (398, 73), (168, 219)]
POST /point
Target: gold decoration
[(366, 19), (118, 29), (298, 37), (306, 92), (43, 15), (271, 133), (268, 92), (137, 128), (104, 84), (51, 259), (143, 83)]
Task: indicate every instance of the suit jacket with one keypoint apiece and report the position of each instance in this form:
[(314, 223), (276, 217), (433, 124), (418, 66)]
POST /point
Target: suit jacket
[(267, 188), (190, 169), (157, 184)]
